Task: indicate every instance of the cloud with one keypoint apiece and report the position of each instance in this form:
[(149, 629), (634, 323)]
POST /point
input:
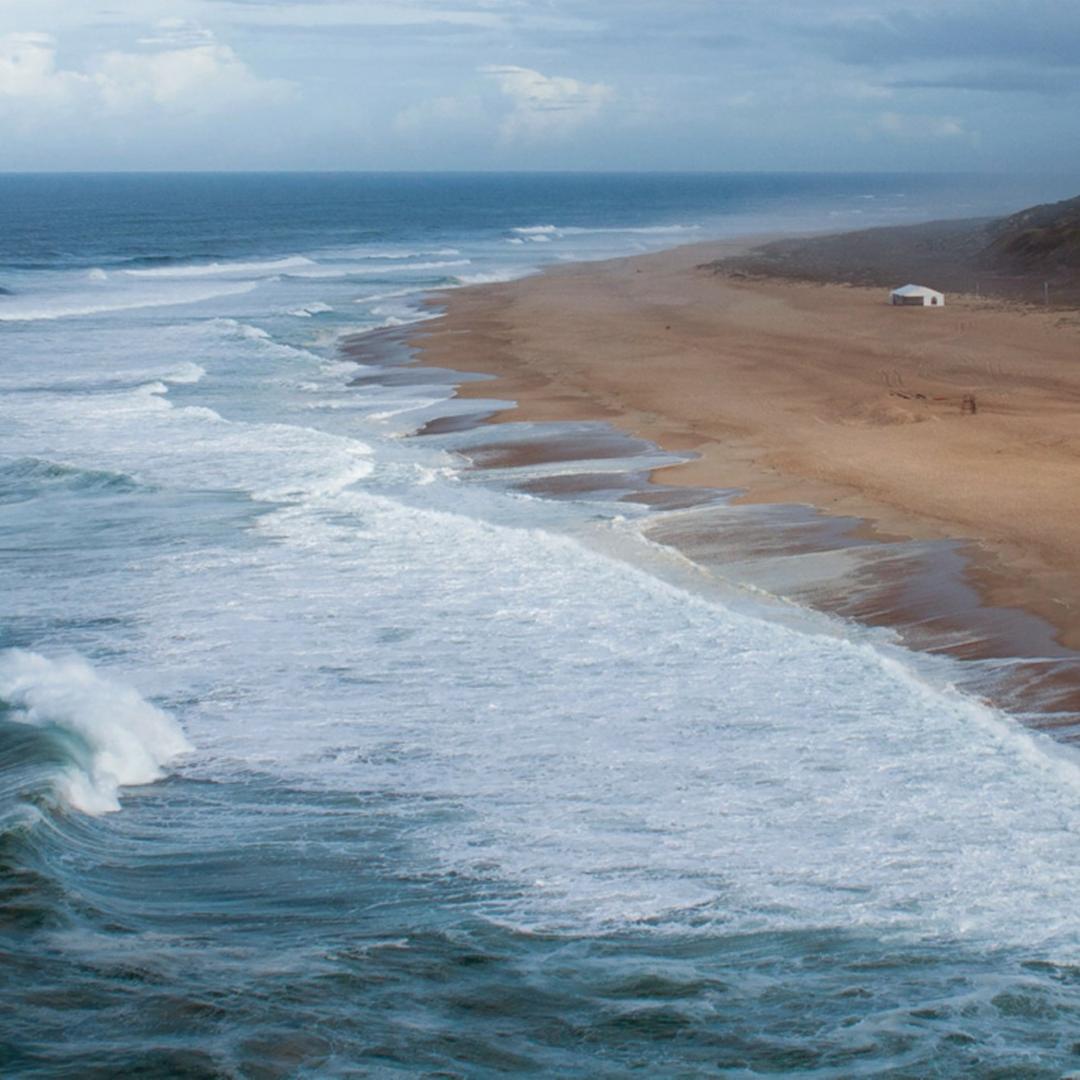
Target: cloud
[(205, 77), (908, 126), (28, 71), (434, 114), (993, 80), (178, 34), (331, 14), (1043, 31), (181, 67), (545, 105)]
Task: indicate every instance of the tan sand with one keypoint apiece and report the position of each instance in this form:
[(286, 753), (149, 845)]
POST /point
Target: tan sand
[(822, 394)]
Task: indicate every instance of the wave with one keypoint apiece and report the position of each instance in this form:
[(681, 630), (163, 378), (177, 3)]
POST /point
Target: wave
[(392, 295), (396, 314), (441, 253), (77, 308), (543, 233), (265, 342), (156, 260), (493, 277), (362, 271), (117, 738), (264, 266), (187, 372), (315, 308), (25, 478), (243, 330), (357, 466)]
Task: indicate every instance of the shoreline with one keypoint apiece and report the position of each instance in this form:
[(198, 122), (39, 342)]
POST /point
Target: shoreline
[(817, 395)]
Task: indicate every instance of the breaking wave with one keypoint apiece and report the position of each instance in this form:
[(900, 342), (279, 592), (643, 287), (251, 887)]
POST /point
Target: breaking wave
[(79, 306), (547, 232), (262, 266), (116, 738), (326, 272)]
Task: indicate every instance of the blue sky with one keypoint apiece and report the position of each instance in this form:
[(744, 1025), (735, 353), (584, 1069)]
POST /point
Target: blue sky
[(540, 84)]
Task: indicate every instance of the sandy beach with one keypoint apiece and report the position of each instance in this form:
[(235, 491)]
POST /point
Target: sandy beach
[(798, 392)]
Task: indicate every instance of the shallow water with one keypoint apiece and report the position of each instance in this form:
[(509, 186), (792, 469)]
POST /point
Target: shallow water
[(322, 755)]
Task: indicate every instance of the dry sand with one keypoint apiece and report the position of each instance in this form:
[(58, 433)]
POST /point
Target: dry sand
[(813, 393)]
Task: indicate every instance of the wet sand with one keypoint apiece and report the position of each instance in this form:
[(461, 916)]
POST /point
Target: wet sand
[(865, 488)]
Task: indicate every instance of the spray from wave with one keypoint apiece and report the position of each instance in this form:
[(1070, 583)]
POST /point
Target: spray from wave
[(117, 737)]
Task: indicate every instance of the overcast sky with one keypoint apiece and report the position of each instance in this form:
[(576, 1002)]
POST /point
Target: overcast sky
[(540, 84)]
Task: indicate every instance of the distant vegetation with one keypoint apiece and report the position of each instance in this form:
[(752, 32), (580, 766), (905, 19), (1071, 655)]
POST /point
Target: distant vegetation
[(1016, 257), (1045, 239)]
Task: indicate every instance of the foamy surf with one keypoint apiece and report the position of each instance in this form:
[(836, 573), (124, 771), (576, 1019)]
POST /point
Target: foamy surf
[(479, 788), (73, 307), (550, 232), (215, 269), (121, 739)]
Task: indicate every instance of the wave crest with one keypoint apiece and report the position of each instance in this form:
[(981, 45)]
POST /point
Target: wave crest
[(262, 266), (119, 738)]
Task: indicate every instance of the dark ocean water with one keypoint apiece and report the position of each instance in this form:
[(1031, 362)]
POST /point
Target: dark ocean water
[(323, 756)]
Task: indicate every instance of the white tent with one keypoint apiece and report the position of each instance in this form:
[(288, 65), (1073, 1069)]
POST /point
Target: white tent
[(916, 296)]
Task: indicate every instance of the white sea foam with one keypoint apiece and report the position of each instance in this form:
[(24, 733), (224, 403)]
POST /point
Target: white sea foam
[(122, 738), (442, 253), (625, 752), (185, 374), (245, 330), (27, 309), (344, 273), (412, 267), (195, 445), (393, 294), (402, 315), (493, 277), (543, 233), (214, 269)]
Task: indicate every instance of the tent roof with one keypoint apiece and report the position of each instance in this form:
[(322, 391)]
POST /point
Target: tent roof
[(915, 290)]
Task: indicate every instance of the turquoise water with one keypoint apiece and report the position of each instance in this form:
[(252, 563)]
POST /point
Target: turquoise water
[(321, 755)]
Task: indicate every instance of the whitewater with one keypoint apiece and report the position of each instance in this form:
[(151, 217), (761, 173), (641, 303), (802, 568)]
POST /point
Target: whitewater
[(325, 754)]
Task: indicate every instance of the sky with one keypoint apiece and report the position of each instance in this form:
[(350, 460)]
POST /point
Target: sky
[(814, 85)]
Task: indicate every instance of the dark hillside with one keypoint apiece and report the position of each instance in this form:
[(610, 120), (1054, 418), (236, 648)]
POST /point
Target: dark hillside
[(1014, 258), (1045, 239)]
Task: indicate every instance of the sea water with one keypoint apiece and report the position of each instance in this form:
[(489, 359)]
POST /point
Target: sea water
[(323, 755)]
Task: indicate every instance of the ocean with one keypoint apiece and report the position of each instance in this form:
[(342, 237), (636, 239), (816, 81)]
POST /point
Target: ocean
[(323, 754)]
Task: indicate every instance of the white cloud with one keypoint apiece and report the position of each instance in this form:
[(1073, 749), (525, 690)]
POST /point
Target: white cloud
[(178, 34), (28, 70), (435, 114), (201, 78), (546, 105), (180, 68), (335, 14), (908, 126)]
